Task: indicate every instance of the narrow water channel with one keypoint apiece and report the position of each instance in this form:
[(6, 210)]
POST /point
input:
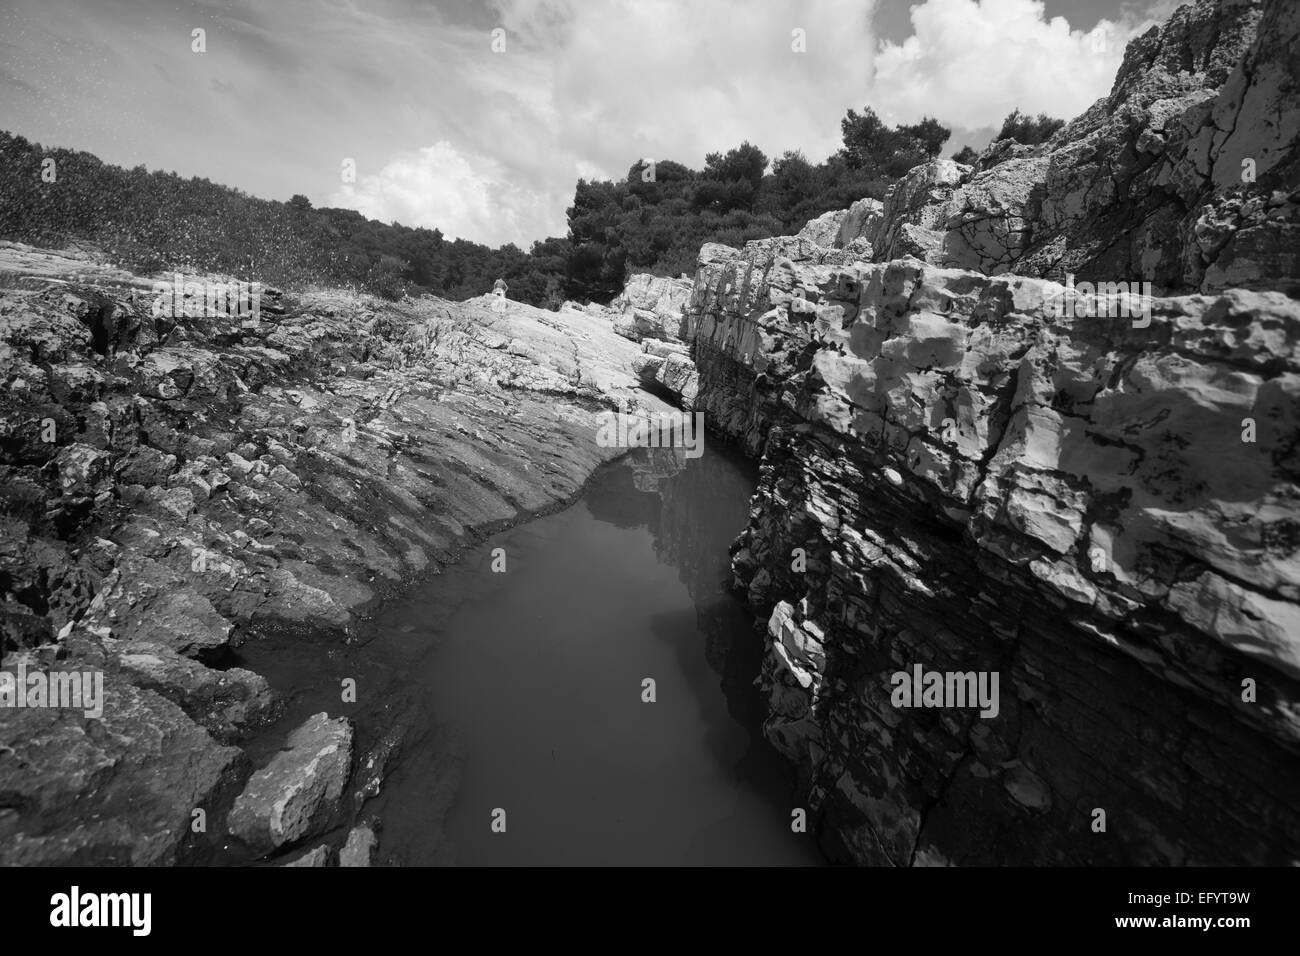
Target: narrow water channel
[(536, 683)]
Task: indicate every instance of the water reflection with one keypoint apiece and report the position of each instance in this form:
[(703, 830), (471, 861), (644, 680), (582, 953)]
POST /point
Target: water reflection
[(540, 680)]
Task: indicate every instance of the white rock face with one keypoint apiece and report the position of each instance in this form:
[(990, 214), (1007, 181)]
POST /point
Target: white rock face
[(917, 210), (854, 229), (284, 799), (861, 222), (360, 847), (1186, 175), (825, 229), (669, 366), (650, 307), (983, 484)]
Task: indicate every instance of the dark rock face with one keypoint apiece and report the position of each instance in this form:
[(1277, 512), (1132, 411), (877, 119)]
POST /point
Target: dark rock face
[(1080, 520), (969, 475), (954, 476), (119, 790), (1187, 175), (173, 486)]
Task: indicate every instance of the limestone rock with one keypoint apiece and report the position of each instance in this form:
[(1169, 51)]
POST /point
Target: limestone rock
[(861, 225), (76, 775), (285, 799), (170, 496), (984, 481), (228, 703), (1187, 175), (677, 374), (647, 368), (320, 856), (650, 307), (360, 847), (825, 229)]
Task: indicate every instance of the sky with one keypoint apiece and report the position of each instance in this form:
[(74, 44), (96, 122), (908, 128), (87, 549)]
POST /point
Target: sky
[(478, 116)]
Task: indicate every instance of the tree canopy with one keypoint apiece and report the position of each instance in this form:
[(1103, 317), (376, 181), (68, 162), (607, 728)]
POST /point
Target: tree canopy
[(653, 220), (1029, 130)]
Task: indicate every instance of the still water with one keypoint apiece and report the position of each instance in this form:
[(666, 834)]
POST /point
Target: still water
[(536, 685)]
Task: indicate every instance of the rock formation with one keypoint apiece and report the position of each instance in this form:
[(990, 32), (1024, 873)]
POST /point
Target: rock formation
[(650, 307), (1184, 176), (854, 228), (300, 786), (175, 486), (649, 311), (964, 470)]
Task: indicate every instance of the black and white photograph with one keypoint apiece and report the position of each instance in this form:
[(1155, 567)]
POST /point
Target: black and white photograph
[(621, 434)]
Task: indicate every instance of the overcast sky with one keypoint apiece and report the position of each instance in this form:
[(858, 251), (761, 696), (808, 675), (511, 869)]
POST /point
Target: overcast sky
[(487, 145)]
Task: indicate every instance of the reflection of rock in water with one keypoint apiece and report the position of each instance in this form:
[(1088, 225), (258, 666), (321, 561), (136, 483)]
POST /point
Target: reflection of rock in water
[(695, 507), (628, 496), (703, 507), (652, 465)]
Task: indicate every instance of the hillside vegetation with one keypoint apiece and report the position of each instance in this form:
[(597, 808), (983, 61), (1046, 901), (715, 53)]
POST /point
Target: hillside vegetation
[(653, 220)]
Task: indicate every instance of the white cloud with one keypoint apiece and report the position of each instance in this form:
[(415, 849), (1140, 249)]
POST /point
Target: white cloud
[(585, 89), (675, 79), (439, 187), (591, 87), (970, 63)]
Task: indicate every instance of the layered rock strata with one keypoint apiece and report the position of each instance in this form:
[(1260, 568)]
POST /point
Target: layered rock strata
[(172, 486), (1086, 508), (1103, 515)]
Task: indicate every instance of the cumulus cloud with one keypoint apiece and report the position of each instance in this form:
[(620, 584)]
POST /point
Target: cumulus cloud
[(439, 187), (487, 146), (679, 78), (969, 63), (588, 88), (592, 87)]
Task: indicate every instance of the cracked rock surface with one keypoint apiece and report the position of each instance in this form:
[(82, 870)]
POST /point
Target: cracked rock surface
[(172, 487), (1102, 511), (1186, 175), (955, 476)]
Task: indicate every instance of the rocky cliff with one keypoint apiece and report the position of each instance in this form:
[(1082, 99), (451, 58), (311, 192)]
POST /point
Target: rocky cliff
[(650, 307), (649, 311), (1185, 175), (963, 472), (173, 486)]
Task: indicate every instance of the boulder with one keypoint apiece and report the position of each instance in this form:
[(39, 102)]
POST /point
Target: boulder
[(360, 847), (650, 307), (320, 856), (288, 798), (825, 229)]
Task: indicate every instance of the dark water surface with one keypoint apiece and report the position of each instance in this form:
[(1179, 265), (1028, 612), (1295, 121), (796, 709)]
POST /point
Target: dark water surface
[(522, 690), (536, 686)]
